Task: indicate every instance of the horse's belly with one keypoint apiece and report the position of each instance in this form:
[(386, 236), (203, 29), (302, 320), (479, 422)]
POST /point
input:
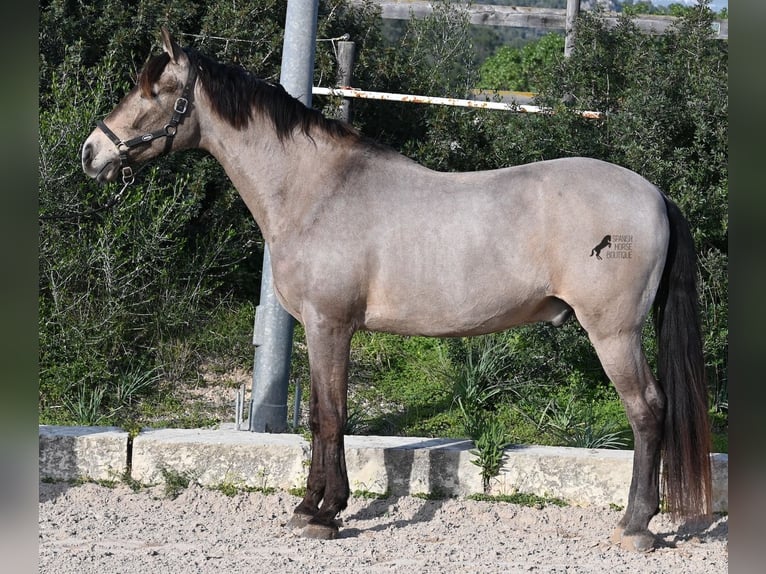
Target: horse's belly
[(450, 314)]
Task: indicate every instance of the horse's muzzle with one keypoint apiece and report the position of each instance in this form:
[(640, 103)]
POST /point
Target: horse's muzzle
[(96, 165)]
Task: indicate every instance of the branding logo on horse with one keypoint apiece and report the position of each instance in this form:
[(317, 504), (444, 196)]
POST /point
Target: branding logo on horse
[(620, 247)]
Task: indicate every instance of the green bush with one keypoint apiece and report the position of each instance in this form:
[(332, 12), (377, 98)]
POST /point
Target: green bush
[(517, 69), (118, 273)]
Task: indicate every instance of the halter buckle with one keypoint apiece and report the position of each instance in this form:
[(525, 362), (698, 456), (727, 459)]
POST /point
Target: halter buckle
[(182, 104), (127, 175)]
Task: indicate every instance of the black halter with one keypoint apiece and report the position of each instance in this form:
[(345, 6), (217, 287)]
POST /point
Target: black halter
[(169, 131)]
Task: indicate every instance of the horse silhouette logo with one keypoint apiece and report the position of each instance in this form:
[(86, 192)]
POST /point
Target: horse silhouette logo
[(605, 242)]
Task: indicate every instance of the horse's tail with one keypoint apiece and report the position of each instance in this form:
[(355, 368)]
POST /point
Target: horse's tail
[(681, 369)]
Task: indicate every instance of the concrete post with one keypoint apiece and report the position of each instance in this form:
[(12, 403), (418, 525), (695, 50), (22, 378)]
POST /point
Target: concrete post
[(273, 330)]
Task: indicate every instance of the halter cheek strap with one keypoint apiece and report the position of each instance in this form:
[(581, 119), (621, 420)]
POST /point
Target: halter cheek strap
[(122, 148), (180, 108)]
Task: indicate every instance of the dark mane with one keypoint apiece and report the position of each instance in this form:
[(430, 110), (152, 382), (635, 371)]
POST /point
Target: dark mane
[(236, 95)]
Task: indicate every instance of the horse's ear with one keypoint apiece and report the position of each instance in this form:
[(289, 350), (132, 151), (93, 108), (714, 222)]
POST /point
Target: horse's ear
[(170, 45)]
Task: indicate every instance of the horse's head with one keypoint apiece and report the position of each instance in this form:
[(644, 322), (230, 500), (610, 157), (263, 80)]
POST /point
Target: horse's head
[(152, 119)]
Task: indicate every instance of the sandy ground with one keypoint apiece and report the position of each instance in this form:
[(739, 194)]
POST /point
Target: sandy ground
[(94, 529)]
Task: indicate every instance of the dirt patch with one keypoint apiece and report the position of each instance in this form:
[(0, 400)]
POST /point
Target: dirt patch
[(93, 529)]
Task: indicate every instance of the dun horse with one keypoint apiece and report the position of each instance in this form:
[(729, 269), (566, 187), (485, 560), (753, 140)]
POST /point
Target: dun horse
[(362, 237)]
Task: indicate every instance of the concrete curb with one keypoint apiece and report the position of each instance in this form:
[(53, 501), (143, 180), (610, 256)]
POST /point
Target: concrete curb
[(82, 453), (215, 457), (393, 465)]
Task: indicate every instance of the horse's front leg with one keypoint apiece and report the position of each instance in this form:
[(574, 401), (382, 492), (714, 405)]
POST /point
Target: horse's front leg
[(328, 347), (309, 506)]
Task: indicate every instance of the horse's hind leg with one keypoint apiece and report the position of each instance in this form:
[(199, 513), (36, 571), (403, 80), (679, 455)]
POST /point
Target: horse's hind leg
[(624, 362)]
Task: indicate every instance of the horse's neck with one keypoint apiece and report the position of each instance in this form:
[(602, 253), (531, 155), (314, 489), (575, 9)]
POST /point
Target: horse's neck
[(268, 174)]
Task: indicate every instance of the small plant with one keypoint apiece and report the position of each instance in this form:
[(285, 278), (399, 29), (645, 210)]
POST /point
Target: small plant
[(227, 489), (522, 499), (263, 477), (131, 384), (131, 482), (261, 489), (490, 448), (479, 381), (175, 482), (132, 427), (85, 406), (370, 494)]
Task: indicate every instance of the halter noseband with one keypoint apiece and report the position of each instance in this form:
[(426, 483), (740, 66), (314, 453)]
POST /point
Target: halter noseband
[(169, 131)]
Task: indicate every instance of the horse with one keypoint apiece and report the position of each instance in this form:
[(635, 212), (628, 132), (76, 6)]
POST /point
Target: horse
[(364, 238)]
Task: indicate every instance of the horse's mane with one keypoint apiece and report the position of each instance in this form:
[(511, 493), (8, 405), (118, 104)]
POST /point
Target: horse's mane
[(236, 95)]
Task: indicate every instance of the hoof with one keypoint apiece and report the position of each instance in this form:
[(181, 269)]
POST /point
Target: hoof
[(298, 520), (320, 532), (636, 542), (616, 536)]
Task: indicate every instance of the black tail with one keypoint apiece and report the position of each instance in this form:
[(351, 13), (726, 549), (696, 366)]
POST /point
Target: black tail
[(681, 370)]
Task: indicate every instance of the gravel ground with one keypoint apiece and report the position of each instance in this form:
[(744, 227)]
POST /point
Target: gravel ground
[(94, 529)]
